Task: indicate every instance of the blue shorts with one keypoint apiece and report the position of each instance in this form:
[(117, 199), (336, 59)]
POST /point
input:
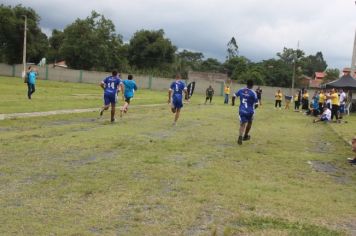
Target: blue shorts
[(323, 118), (109, 98), (246, 118), (177, 102), (342, 108)]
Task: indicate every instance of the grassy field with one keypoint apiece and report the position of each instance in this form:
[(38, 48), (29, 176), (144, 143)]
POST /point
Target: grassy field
[(51, 95), (80, 175)]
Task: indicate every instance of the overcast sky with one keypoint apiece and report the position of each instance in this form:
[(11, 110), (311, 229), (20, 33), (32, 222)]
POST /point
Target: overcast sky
[(261, 28)]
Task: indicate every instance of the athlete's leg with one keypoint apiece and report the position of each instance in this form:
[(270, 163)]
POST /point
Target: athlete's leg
[(33, 88), (248, 127), (176, 117), (112, 112), (241, 132), (29, 90)]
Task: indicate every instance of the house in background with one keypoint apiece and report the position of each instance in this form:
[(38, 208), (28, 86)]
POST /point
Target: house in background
[(317, 81)]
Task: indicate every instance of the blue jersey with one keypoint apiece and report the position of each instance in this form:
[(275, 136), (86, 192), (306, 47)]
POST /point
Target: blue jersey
[(248, 99), (111, 85), (32, 77), (130, 87), (316, 102), (177, 87)]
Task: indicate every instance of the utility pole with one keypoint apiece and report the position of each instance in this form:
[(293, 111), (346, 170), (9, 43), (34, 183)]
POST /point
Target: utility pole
[(24, 49), (294, 68)]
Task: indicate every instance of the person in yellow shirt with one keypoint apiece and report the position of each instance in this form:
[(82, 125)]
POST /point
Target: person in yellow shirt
[(305, 100), (226, 93), (297, 100), (278, 97), (334, 104), (322, 99)]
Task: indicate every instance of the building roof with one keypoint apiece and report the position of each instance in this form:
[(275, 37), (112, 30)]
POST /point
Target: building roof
[(319, 75), (346, 82)]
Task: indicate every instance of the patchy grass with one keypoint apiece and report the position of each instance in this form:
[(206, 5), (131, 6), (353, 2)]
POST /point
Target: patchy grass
[(52, 95), (78, 175)]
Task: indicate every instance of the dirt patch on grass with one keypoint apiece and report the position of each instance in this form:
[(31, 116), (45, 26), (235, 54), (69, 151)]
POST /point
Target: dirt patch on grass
[(210, 221), (87, 160), (326, 167), (321, 147), (84, 161), (69, 122), (320, 166)]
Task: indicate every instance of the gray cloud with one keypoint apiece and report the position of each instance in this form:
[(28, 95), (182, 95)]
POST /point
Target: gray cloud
[(262, 28)]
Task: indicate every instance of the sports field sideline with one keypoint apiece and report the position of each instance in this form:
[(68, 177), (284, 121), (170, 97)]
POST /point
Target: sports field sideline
[(75, 174)]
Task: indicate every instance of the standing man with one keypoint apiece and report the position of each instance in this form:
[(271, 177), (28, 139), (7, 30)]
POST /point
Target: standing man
[(278, 96), (322, 98), (334, 104), (111, 86), (343, 99), (248, 100), (226, 94), (259, 95), (31, 81), (130, 88), (175, 96), (209, 94)]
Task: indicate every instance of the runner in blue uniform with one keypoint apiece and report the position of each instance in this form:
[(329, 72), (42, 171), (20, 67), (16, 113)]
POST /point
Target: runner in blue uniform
[(111, 86), (248, 101), (175, 96)]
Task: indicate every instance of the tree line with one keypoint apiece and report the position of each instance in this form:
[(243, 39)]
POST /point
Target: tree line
[(93, 44)]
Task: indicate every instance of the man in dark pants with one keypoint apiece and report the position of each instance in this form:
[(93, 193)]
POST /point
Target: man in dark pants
[(334, 104), (31, 81), (209, 94)]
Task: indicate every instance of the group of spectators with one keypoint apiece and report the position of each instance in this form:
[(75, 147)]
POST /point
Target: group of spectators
[(324, 104)]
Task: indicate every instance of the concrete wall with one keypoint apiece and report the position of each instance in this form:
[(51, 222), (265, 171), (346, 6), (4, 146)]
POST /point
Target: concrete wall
[(203, 80)]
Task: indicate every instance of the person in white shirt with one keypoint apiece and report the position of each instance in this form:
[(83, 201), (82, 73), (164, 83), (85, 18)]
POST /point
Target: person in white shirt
[(326, 116), (342, 100)]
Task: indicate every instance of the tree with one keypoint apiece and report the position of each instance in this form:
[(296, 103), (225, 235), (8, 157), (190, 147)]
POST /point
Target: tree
[(289, 55), (91, 44), (313, 63), (256, 76), (235, 66), (331, 74), (188, 60), (211, 65), (149, 49), (12, 31), (277, 73), (55, 42), (232, 49)]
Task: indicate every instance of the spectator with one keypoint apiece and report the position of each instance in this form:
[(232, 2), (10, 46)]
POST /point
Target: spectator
[(353, 160), (322, 98), (342, 98), (326, 116), (259, 95), (288, 99), (328, 100), (297, 100), (278, 97), (334, 104), (226, 94), (209, 94), (305, 100)]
